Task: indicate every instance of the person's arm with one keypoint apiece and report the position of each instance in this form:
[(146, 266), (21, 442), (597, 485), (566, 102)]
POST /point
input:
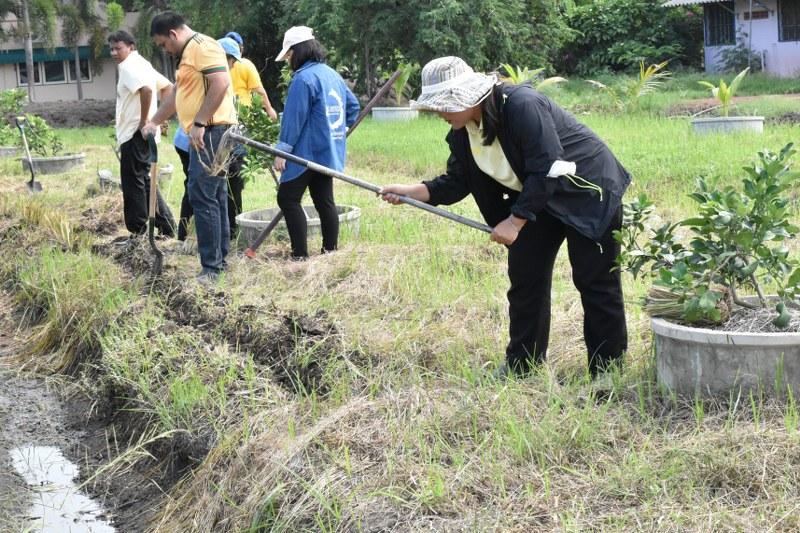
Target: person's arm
[(352, 107), (164, 111), (145, 97), (217, 83), (534, 130), (417, 191), (295, 115), (265, 102)]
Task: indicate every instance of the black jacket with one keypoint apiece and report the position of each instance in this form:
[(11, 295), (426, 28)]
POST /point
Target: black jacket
[(534, 132)]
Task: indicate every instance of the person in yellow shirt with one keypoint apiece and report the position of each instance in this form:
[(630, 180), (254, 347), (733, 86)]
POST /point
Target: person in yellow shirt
[(246, 80), (203, 99)]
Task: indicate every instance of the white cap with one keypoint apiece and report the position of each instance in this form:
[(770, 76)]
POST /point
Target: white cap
[(293, 36)]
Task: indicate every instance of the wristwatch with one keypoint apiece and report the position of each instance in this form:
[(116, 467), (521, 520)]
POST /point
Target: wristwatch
[(199, 124)]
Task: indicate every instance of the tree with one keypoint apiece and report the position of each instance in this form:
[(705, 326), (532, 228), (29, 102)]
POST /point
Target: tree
[(38, 19), (79, 18)]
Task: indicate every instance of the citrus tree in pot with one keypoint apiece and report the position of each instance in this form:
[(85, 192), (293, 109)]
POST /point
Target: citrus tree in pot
[(709, 336), (725, 123)]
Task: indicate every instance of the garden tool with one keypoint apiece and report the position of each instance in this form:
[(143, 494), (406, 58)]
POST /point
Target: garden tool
[(33, 185), (158, 256), (232, 136), (251, 250)]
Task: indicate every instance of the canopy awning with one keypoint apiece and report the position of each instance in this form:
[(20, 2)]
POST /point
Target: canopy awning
[(42, 54), (675, 3)]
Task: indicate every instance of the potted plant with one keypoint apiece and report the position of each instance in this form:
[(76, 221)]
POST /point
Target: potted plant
[(725, 123), (710, 337), (399, 111), (11, 103), (47, 146)]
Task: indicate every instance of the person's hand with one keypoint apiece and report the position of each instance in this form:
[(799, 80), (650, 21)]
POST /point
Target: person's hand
[(507, 231), (271, 113), (196, 137), (391, 193), (149, 129), (279, 165)]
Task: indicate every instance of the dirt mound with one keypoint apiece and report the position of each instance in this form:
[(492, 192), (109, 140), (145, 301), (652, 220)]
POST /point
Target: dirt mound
[(792, 117), (74, 114)]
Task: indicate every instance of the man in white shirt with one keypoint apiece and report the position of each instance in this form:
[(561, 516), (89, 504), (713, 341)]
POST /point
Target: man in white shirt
[(136, 103)]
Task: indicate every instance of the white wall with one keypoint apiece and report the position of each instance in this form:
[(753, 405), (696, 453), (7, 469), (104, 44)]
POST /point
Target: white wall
[(780, 58), (101, 87)]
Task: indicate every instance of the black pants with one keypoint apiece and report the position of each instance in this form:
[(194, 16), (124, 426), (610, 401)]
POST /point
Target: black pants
[(290, 194), (235, 188), (135, 178), (530, 268), (186, 206)]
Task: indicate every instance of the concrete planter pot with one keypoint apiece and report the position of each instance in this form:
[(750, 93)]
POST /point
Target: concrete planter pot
[(8, 151), (697, 361), (387, 114), (252, 223), (704, 126), (55, 164)]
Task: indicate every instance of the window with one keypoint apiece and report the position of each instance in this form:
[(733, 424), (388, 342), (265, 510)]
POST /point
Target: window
[(789, 20), (719, 24), (757, 15), (85, 75), (53, 72), (22, 69)]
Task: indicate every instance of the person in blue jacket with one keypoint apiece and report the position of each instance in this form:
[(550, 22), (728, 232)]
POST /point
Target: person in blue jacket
[(539, 178), (319, 108)]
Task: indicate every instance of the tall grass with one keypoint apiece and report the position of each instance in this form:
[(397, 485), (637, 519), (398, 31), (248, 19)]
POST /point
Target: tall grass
[(407, 433)]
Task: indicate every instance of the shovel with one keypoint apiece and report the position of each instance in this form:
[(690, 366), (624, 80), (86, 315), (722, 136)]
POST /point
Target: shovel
[(33, 185), (151, 214)]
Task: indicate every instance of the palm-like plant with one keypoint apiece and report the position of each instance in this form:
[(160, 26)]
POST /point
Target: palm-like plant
[(517, 75), (724, 93), (650, 79)]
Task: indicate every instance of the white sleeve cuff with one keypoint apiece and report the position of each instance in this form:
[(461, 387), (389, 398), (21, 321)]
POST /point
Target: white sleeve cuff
[(561, 168)]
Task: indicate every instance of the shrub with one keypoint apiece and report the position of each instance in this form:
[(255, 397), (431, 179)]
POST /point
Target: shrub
[(42, 140), (738, 241), (617, 35)]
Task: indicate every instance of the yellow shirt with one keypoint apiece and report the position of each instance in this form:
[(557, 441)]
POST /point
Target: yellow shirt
[(491, 159), (245, 78), (201, 55)]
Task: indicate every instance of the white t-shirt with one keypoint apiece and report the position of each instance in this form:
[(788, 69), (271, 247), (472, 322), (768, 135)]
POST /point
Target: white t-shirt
[(134, 73)]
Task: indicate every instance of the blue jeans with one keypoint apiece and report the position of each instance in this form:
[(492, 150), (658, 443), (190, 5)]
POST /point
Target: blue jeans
[(209, 198)]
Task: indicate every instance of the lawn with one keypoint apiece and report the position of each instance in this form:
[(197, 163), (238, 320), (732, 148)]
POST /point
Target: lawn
[(378, 414)]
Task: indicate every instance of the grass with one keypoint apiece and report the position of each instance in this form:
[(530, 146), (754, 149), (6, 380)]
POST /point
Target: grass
[(348, 392)]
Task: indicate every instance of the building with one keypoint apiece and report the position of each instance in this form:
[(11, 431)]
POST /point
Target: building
[(770, 28), (54, 69)]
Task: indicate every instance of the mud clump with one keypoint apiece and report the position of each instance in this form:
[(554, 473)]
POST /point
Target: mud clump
[(297, 348)]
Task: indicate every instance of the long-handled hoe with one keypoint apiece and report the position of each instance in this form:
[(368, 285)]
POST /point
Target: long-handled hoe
[(231, 135), (251, 250), (158, 255)]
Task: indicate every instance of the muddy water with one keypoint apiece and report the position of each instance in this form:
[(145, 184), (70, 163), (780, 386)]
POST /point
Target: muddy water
[(58, 504), (37, 491)]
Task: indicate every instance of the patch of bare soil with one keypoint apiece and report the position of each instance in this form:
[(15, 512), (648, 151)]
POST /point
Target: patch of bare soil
[(100, 222), (698, 106), (792, 117), (74, 113)]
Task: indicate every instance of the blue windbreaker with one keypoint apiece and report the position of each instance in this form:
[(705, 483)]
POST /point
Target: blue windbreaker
[(319, 106)]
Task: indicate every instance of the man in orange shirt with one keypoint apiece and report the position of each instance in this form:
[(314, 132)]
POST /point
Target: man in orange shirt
[(246, 79), (203, 99)]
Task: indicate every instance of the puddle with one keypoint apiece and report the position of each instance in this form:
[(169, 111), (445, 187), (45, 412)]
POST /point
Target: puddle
[(58, 506)]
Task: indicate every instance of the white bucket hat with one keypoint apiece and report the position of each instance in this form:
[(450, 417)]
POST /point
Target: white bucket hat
[(450, 85), (294, 35)]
